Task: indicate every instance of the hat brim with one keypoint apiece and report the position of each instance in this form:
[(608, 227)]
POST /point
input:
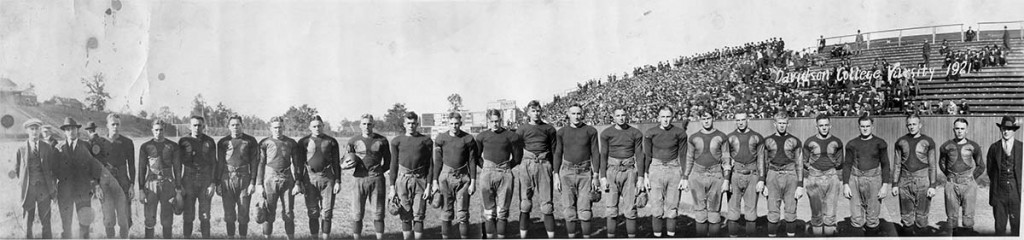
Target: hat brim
[(62, 127), (32, 123), (1008, 127)]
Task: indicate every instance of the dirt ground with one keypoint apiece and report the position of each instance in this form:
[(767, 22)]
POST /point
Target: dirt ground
[(12, 223)]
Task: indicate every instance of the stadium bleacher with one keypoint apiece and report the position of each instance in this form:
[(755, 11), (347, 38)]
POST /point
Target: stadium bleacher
[(743, 81), (990, 91)]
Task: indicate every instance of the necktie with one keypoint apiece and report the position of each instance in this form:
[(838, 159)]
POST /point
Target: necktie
[(1006, 147)]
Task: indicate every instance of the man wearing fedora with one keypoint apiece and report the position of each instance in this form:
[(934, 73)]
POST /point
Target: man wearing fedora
[(32, 168), (1004, 169), (76, 180)]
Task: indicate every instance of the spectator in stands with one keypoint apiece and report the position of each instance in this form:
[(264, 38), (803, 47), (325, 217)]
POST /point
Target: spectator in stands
[(944, 49), (964, 109), (926, 50), (952, 109), (821, 44), (970, 34), (1000, 55), (1006, 38), (859, 43), (941, 108)]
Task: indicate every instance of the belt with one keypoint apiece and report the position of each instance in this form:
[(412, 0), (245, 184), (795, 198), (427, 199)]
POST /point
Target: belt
[(581, 167), (922, 173), (874, 172), (459, 171), (419, 172), (535, 157), (622, 167), (789, 167), (814, 172), (278, 171), (744, 168), (235, 169), (493, 166), (673, 162), (708, 169)]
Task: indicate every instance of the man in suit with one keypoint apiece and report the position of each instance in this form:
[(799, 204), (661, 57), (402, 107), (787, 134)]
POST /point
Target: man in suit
[(33, 171), (77, 177), (1004, 168)]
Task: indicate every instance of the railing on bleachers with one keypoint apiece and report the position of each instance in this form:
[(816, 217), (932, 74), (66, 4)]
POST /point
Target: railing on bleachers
[(875, 36), (1019, 28)]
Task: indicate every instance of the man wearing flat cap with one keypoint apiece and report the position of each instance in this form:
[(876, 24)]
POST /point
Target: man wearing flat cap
[(1004, 168), (32, 168), (49, 136), (76, 178)]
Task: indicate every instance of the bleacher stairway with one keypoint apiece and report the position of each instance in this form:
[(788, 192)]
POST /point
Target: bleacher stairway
[(990, 91)]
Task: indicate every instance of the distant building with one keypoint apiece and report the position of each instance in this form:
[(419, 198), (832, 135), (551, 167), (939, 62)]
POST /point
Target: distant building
[(472, 121), (10, 92)]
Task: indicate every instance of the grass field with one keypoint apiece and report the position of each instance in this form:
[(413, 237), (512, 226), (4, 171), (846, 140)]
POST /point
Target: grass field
[(12, 223)]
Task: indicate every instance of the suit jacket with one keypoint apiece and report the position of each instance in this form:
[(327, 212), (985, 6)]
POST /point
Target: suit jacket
[(994, 157), (47, 156), (75, 171)]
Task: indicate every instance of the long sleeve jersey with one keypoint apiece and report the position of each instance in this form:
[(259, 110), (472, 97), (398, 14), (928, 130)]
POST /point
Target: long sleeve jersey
[(537, 138), (747, 147), (318, 153), (499, 146), (237, 153), (824, 153), (412, 152), (913, 154), (622, 143), (956, 157), (374, 151), (279, 155), (576, 144), (664, 144), (160, 158), (198, 155), (455, 152), (867, 154), (706, 149), (784, 148), (122, 157)]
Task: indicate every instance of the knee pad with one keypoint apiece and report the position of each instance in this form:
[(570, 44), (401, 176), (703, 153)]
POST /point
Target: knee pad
[(489, 214), (547, 209), (525, 205), (586, 215)]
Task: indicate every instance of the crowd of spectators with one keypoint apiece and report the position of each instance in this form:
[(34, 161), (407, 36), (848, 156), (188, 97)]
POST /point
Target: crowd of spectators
[(957, 62), (726, 80), (747, 79)]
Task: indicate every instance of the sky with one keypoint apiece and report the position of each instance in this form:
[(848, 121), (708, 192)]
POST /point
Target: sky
[(347, 58)]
